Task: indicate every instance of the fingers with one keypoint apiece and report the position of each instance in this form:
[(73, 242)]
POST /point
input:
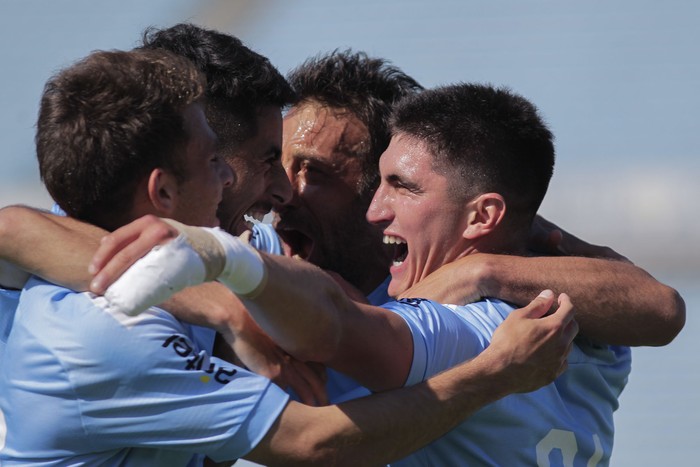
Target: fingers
[(566, 315), (545, 236), (121, 248), (571, 329), (539, 306), (308, 384)]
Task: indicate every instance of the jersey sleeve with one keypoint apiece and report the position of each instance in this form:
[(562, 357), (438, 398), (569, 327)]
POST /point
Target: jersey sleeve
[(441, 339), (140, 382), (9, 300)]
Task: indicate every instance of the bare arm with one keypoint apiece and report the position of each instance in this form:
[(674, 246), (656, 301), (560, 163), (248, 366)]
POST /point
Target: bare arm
[(616, 301), (298, 305), (619, 302), (53, 247), (381, 428), (245, 343)]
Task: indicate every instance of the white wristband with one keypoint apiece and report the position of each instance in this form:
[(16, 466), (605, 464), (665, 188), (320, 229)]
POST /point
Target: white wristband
[(197, 255), (244, 272), (227, 258), (165, 270)]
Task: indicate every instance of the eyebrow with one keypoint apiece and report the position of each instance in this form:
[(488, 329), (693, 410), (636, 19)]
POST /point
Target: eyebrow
[(397, 180)]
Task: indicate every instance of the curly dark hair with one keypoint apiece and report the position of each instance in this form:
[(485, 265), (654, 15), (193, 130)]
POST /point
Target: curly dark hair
[(239, 81), (109, 120), (493, 140), (367, 87)]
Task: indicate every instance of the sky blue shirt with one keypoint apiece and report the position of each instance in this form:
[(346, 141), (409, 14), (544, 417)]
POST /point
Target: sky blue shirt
[(82, 386), (568, 422), (8, 306)]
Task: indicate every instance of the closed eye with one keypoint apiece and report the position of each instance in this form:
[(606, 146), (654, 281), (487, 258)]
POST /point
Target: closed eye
[(403, 185)]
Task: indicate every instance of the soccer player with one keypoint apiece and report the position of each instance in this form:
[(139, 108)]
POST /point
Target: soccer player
[(333, 138)]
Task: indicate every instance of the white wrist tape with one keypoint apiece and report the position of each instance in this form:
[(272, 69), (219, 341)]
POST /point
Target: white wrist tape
[(197, 255), (243, 272), (165, 270)]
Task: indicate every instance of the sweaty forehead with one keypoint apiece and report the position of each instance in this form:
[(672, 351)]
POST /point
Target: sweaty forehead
[(320, 130)]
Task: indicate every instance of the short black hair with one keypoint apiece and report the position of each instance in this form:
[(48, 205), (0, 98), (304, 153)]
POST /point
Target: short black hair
[(240, 82), (492, 138)]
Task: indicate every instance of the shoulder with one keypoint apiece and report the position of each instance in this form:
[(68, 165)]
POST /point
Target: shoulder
[(441, 336), (78, 330)]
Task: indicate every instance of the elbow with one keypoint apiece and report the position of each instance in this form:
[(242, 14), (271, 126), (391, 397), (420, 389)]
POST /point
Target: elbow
[(673, 319), (321, 443), (324, 451), (669, 318)]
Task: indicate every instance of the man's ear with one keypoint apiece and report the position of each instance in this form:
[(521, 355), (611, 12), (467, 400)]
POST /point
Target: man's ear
[(162, 192), (485, 213)]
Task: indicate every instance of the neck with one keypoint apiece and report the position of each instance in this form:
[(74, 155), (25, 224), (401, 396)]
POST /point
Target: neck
[(510, 245)]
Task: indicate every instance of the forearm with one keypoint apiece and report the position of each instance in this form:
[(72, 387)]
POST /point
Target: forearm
[(616, 302), (384, 427), (56, 248), (300, 307), (211, 305), (295, 303), (527, 351)]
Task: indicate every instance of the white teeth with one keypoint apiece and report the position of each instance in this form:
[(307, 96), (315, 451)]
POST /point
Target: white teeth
[(397, 263), (254, 216), (391, 240)]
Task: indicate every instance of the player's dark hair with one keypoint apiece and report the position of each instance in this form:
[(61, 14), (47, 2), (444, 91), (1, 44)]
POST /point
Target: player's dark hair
[(240, 82), (106, 122), (492, 139)]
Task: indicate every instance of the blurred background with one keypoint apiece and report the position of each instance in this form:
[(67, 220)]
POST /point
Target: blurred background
[(618, 83)]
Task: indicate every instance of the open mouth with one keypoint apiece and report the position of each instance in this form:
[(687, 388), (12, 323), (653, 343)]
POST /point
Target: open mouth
[(400, 248), (300, 245)]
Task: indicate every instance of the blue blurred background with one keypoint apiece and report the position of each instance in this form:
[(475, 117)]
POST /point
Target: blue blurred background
[(618, 82)]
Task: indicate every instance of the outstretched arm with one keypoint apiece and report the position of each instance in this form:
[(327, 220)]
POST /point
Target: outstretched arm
[(616, 301), (525, 353), (300, 306), (296, 303)]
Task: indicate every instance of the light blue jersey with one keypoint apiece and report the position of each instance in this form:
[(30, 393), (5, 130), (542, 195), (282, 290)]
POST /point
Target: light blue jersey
[(9, 299), (83, 386), (567, 423), (264, 238)]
